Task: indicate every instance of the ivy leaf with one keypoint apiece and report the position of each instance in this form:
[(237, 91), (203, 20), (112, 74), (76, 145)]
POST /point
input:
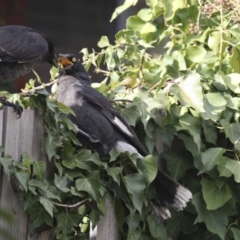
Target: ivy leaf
[(104, 42), (212, 157), (22, 178), (215, 220), (235, 59), (148, 168), (114, 172), (130, 115), (190, 145), (232, 130), (189, 91), (234, 167), (233, 82), (65, 109), (210, 131), (47, 204), (236, 233), (66, 221), (195, 54), (214, 104), (157, 230), (191, 124), (122, 8), (181, 221), (166, 133), (61, 183), (215, 195), (39, 169), (223, 170), (176, 165), (90, 184), (135, 184), (171, 7), (39, 216)]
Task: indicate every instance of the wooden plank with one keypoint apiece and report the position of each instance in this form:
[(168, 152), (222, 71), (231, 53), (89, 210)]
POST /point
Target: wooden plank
[(15, 141), (107, 228), (21, 135)]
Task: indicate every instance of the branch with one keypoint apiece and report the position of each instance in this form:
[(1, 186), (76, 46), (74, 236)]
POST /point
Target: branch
[(71, 206), (40, 87)]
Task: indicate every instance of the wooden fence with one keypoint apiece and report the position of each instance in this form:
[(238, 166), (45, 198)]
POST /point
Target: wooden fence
[(17, 136)]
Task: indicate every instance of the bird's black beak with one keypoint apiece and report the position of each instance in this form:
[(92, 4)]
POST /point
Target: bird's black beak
[(64, 62)]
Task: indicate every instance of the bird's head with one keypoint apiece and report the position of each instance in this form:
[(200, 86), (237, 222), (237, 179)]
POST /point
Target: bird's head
[(51, 56), (70, 65)]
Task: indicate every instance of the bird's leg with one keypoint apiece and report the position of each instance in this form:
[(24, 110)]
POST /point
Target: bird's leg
[(18, 109)]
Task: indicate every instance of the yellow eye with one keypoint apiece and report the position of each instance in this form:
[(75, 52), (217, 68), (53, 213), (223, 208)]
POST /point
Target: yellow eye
[(74, 59)]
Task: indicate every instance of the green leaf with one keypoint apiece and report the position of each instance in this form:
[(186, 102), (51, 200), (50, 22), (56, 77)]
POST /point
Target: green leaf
[(190, 145), (39, 216), (236, 233), (214, 104), (223, 170), (165, 133), (47, 204), (157, 230), (65, 109), (22, 178), (61, 183), (215, 220), (122, 8), (148, 167), (191, 124), (215, 195), (39, 168), (196, 54), (214, 39), (171, 7), (135, 184), (66, 221), (232, 131), (130, 115), (212, 157), (210, 131), (176, 165), (90, 184), (233, 82), (234, 167), (189, 91), (114, 172), (235, 59), (103, 42)]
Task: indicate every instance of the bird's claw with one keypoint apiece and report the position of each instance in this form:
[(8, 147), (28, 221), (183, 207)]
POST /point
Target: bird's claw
[(16, 108)]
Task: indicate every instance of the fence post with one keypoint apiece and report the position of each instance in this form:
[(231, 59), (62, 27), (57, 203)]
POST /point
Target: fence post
[(107, 228), (20, 135)]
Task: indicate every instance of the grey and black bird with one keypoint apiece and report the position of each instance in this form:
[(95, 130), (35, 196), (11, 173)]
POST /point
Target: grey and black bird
[(21, 50), (101, 128)]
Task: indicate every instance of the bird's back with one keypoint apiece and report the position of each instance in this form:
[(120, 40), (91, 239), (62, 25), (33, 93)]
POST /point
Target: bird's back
[(21, 49)]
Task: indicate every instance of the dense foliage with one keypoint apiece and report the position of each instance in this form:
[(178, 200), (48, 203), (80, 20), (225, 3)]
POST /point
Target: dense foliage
[(174, 75)]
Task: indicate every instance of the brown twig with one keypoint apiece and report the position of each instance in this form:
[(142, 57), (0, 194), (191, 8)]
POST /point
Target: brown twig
[(71, 206)]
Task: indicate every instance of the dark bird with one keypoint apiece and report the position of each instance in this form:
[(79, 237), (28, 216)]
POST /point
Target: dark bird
[(21, 50), (101, 128)]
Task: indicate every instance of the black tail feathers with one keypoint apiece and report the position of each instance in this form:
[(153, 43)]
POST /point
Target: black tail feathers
[(170, 194)]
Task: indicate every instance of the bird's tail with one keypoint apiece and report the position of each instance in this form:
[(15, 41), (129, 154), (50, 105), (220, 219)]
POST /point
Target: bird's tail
[(170, 194)]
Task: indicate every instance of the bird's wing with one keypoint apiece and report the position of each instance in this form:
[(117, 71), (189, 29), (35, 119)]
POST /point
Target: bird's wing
[(21, 46), (98, 101)]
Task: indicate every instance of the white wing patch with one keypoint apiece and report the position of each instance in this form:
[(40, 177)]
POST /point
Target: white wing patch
[(122, 126), (85, 134), (121, 146)]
